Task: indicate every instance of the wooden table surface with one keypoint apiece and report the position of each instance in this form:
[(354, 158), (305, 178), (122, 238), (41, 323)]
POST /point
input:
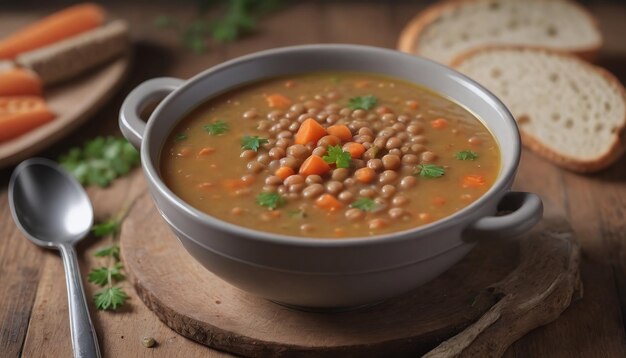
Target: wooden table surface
[(33, 307)]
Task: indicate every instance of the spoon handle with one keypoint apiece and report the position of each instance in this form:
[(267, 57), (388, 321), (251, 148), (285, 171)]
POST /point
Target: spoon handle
[(84, 340)]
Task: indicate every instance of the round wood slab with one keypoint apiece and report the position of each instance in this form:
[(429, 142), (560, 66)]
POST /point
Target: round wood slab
[(472, 309)]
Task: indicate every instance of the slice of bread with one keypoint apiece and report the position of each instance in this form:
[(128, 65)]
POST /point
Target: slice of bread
[(445, 30), (568, 110)]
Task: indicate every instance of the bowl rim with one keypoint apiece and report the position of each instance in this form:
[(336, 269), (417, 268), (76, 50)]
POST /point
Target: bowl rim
[(501, 185)]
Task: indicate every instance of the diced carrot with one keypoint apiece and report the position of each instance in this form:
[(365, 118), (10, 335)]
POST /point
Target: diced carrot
[(314, 165), (284, 172), (234, 184), (439, 123), (361, 84), (206, 151), (328, 202), (473, 181), (438, 201), (58, 26), (412, 104), (309, 131), (20, 114), (329, 140), (277, 100), (341, 131), (365, 175), (356, 150), (20, 82)]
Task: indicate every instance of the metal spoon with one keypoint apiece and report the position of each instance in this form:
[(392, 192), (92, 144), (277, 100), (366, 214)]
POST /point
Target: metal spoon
[(53, 210)]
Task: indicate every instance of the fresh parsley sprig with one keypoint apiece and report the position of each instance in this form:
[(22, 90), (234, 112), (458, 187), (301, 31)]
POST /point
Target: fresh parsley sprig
[(271, 200), (466, 155), (217, 128), (362, 102), (430, 171), (365, 204), (100, 160), (336, 155), (252, 143)]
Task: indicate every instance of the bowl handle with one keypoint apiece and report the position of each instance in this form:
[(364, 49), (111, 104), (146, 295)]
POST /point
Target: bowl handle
[(522, 212), (131, 125)]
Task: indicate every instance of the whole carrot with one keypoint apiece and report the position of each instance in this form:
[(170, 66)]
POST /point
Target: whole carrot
[(21, 114), (58, 26), (19, 82)]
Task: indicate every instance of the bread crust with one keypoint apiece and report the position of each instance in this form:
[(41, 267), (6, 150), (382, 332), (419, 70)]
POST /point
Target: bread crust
[(410, 35), (615, 150)]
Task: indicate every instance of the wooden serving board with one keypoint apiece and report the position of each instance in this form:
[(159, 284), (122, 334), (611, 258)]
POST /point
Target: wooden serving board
[(498, 293), (73, 103)]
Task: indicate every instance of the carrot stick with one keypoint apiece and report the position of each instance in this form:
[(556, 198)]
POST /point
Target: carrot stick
[(21, 114), (20, 82), (58, 26), (309, 131)]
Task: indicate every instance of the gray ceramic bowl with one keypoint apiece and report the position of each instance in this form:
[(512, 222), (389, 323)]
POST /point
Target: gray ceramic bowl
[(322, 273)]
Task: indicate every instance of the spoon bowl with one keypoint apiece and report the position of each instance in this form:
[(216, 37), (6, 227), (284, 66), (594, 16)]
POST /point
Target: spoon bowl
[(53, 210)]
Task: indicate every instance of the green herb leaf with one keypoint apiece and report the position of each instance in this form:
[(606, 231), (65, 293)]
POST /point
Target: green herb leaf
[(180, 137), (100, 160), (297, 214), (109, 227), (466, 155), (365, 204), (253, 143), (110, 298), (363, 102), (112, 251), (430, 171), (270, 200), (105, 275), (336, 155), (217, 128)]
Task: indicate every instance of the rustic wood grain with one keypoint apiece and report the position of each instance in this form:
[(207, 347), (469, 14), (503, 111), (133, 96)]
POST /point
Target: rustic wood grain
[(201, 306), (591, 327)]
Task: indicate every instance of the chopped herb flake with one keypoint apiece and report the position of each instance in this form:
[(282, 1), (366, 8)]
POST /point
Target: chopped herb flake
[(430, 171), (252, 143), (336, 155), (110, 298), (297, 214), (363, 102), (217, 128), (270, 200), (180, 137), (466, 155), (365, 204)]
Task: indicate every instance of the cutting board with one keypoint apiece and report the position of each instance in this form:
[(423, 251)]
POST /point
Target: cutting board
[(498, 293)]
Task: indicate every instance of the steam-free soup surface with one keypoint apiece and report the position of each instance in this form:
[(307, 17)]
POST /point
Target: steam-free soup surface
[(330, 155)]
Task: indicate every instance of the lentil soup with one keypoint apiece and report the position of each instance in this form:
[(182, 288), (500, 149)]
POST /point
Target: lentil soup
[(330, 155)]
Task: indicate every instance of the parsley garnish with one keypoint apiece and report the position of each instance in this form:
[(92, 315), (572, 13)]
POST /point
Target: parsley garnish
[(252, 143), (338, 156), (365, 204), (217, 128), (109, 227), (466, 155), (102, 275), (430, 171), (100, 160), (180, 137), (270, 200), (363, 102), (113, 251), (297, 214), (110, 298)]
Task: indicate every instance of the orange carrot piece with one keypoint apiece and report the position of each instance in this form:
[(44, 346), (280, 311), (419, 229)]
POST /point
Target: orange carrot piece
[(439, 123), (412, 104), (340, 131), (206, 151), (21, 114), (314, 165), (364, 175), (53, 28), (309, 131), (277, 100), (438, 201), (328, 202), (20, 82), (356, 150), (473, 181), (362, 84), (284, 172), (234, 184)]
